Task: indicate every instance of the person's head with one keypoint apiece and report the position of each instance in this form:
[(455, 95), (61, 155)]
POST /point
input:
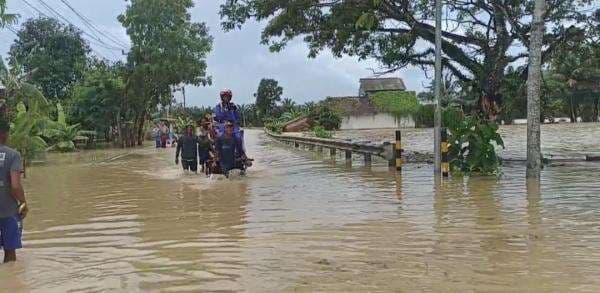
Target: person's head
[(226, 95), (189, 129), (4, 131), (229, 128)]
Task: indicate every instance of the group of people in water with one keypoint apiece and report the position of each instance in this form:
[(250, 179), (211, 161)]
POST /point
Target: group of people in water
[(217, 145)]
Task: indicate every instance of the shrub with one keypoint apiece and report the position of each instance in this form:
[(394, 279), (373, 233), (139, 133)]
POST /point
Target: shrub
[(398, 103), (321, 132), (472, 139), (425, 116), (325, 117)]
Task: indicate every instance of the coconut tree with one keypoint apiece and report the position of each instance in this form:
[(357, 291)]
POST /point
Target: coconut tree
[(6, 18)]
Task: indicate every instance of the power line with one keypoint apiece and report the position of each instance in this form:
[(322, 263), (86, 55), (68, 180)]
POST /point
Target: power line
[(88, 22), (104, 44), (46, 15)]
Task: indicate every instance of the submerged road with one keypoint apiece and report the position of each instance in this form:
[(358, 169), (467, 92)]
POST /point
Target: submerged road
[(300, 222)]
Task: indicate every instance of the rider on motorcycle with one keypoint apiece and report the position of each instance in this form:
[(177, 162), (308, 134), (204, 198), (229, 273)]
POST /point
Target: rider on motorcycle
[(227, 111)]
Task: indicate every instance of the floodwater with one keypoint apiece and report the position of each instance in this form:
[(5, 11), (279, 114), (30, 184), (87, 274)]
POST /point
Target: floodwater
[(111, 221), (561, 141)]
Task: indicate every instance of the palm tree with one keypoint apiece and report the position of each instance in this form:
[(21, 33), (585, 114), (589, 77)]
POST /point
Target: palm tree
[(244, 109), (288, 105), (6, 18)]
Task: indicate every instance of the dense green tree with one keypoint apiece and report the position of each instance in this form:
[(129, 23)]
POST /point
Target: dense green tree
[(54, 54), (97, 99), (168, 49), (574, 77), (267, 95), (478, 43)]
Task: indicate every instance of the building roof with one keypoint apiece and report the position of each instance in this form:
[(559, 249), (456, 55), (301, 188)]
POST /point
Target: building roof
[(351, 106), (368, 85)]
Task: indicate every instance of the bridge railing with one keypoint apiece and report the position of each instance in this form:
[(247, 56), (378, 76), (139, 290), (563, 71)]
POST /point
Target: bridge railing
[(367, 149)]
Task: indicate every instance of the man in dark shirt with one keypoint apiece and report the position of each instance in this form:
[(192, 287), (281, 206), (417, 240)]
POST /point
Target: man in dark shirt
[(13, 206), (229, 150), (187, 145)]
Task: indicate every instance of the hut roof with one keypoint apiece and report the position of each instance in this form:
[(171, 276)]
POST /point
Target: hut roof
[(351, 106), (368, 85)]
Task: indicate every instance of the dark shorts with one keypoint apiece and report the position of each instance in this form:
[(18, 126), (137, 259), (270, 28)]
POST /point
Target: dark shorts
[(10, 232), (191, 165)]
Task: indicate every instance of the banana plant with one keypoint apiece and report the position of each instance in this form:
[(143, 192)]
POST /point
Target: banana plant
[(25, 133), (62, 135)]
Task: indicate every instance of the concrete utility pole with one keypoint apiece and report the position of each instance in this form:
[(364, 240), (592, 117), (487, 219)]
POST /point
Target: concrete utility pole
[(438, 88), (183, 92), (534, 154)]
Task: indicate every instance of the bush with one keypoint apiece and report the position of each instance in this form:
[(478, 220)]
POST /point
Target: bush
[(472, 139), (425, 116), (321, 132), (325, 117), (399, 104)]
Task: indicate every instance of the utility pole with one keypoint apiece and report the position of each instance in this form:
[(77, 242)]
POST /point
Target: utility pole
[(183, 92), (438, 88), (534, 153)]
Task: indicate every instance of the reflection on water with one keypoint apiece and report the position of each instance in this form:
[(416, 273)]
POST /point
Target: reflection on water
[(301, 222)]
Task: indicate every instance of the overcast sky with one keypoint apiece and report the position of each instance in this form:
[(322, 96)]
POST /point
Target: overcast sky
[(238, 60)]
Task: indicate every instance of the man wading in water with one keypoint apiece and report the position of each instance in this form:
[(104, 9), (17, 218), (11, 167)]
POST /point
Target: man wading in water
[(187, 145), (229, 150), (13, 206)]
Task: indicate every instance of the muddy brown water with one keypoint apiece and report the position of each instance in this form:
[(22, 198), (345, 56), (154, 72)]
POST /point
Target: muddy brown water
[(300, 222)]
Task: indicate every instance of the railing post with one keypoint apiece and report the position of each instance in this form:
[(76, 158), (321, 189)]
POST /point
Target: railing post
[(332, 152), (398, 151), (368, 160), (349, 156), (444, 149)]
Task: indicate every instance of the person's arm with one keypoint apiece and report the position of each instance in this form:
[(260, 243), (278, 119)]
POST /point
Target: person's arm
[(236, 114), (217, 150), (16, 188), (177, 152)]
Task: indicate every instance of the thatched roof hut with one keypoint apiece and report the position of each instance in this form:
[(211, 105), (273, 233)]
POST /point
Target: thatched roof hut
[(370, 86)]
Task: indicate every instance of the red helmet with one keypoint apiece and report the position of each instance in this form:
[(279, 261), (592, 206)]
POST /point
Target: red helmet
[(226, 93)]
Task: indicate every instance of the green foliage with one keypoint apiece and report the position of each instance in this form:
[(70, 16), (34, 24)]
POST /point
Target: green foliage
[(399, 33), (96, 101), (288, 105), (168, 49), (61, 135), (399, 104), (325, 117), (25, 132), (321, 132), (6, 18), (425, 116), (473, 142), (53, 54), (183, 122), (20, 91), (267, 95)]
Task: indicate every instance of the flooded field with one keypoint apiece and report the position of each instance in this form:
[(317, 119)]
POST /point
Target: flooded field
[(301, 222)]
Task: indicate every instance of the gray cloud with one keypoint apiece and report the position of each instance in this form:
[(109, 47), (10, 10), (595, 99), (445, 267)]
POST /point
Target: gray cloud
[(238, 60)]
